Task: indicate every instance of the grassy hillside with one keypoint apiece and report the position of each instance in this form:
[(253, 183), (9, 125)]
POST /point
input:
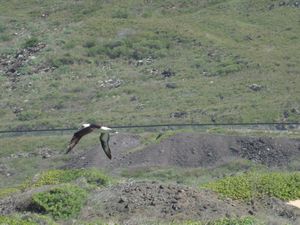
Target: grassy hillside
[(140, 62)]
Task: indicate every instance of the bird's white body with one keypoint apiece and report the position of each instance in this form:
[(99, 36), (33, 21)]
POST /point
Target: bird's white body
[(106, 128)]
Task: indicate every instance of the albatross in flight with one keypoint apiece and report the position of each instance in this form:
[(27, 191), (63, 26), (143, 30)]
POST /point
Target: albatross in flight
[(88, 128)]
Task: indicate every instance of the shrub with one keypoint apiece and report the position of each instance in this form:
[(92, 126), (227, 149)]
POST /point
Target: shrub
[(51, 177), (233, 221), (285, 186), (133, 47), (28, 115), (31, 42), (61, 203), (5, 37), (61, 61), (89, 44), (120, 14)]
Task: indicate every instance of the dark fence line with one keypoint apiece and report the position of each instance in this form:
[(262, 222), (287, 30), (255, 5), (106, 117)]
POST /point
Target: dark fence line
[(159, 125)]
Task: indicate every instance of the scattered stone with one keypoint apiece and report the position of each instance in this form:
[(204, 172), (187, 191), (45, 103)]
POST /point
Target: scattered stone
[(178, 115), (167, 73), (4, 170), (296, 111), (263, 151), (139, 63), (280, 127), (10, 64), (171, 85), (154, 71), (255, 87), (17, 110), (110, 83), (133, 98), (290, 3)]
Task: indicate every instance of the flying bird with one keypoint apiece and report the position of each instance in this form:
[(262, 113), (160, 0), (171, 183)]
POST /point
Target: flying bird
[(88, 128)]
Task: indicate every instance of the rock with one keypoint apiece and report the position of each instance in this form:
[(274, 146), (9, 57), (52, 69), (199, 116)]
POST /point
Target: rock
[(133, 98), (296, 111), (255, 87), (171, 85), (167, 73), (139, 63), (110, 83), (285, 114), (178, 115), (280, 127)]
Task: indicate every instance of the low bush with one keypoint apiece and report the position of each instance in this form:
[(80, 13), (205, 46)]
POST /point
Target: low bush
[(31, 42), (61, 202), (282, 185), (233, 221), (52, 177), (133, 47)]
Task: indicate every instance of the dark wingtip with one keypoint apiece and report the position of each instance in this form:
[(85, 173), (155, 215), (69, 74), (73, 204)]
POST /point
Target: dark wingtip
[(68, 150)]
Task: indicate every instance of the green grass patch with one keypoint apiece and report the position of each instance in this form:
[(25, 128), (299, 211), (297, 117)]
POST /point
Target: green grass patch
[(7, 191), (61, 202), (52, 177), (31, 42), (282, 185), (28, 219), (220, 46), (8, 220), (192, 176)]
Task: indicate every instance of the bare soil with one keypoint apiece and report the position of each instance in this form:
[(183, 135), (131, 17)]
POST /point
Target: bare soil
[(145, 202), (190, 150), (141, 202)]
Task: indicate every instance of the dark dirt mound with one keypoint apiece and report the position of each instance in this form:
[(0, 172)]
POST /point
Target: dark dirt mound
[(142, 202), (271, 152), (191, 150)]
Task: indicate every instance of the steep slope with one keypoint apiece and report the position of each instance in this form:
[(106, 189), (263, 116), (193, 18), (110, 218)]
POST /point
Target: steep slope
[(125, 62)]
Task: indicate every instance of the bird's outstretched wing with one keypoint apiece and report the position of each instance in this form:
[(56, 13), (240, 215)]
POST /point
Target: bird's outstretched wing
[(77, 136), (104, 139)]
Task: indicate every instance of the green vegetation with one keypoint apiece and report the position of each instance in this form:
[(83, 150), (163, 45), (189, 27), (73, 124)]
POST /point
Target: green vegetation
[(282, 185), (61, 202), (193, 176), (226, 221), (215, 49), (7, 191), (31, 42), (52, 177), (29, 219), (14, 221), (112, 60)]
